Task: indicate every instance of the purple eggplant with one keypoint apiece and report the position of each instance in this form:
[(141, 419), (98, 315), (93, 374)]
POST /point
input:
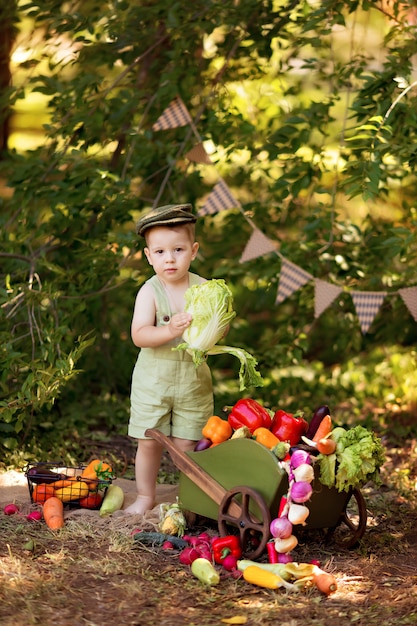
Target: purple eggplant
[(318, 415), (41, 474), (203, 444)]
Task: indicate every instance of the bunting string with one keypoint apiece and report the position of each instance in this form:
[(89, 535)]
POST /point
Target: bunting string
[(291, 277)]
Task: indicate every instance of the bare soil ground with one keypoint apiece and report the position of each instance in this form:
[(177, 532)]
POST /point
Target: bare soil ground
[(93, 573)]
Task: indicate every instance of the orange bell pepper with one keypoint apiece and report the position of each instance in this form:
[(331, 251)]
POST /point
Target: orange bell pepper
[(265, 437), (217, 430), (95, 472)]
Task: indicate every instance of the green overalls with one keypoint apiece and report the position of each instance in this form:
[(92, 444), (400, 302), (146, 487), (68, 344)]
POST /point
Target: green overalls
[(168, 391)]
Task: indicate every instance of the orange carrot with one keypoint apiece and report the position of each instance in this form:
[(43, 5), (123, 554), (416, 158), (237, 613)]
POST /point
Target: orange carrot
[(325, 582), (53, 513), (324, 429), (64, 482)]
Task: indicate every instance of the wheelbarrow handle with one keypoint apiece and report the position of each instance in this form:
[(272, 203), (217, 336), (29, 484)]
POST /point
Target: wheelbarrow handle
[(193, 471)]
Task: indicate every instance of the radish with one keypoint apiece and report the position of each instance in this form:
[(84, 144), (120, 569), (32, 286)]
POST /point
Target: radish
[(188, 555), (11, 509), (35, 516), (230, 562)]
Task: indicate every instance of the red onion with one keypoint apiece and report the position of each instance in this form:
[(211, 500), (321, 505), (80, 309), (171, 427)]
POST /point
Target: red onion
[(301, 491), (281, 527), (284, 558), (298, 457)]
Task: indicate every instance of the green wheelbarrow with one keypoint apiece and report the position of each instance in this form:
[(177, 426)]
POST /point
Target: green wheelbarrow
[(240, 484)]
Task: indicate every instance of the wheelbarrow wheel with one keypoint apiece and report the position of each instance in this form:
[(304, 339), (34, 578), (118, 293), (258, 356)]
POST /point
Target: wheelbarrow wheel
[(353, 520), (253, 528)]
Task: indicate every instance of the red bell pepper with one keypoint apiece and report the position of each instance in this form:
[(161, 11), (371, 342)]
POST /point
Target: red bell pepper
[(249, 413), (225, 546), (288, 426)]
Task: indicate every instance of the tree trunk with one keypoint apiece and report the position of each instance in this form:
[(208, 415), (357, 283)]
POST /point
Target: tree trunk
[(8, 19)]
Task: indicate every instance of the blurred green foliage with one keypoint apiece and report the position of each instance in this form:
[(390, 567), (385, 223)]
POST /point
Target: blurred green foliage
[(313, 133)]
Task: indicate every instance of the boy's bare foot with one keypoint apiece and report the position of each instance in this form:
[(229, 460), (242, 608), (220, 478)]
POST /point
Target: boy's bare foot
[(140, 505)]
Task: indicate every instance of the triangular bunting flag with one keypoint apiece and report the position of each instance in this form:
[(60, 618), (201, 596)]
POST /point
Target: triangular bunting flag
[(176, 114), (367, 305), (257, 246), (291, 278), (409, 295), (198, 154), (220, 198), (325, 293)]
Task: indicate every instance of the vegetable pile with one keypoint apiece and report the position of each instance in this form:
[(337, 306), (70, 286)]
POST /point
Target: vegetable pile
[(211, 307), (211, 558), (346, 458)]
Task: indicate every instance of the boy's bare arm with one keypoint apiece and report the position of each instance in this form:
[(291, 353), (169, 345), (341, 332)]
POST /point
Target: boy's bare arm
[(143, 330)]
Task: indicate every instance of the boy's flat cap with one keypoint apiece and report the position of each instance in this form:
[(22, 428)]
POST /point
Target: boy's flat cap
[(167, 215)]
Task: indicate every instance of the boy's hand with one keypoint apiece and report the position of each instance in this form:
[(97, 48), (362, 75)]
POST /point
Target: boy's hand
[(179, 322)]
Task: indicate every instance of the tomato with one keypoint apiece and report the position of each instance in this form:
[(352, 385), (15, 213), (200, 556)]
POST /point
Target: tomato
[(92, 501), (42, 492)]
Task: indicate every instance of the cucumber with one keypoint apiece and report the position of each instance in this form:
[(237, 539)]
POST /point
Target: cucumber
[(112, 501)]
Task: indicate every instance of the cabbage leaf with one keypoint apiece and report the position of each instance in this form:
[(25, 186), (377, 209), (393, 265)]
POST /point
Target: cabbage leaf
[(211, 307)]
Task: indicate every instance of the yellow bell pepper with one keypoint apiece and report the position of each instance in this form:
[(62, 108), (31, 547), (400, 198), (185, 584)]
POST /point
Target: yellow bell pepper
[(78, 489)]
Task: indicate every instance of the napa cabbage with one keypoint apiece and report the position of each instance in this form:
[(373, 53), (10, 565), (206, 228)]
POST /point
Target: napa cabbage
[(211, 307)]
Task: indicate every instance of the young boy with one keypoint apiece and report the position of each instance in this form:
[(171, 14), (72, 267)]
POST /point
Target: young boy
[(168, 392)]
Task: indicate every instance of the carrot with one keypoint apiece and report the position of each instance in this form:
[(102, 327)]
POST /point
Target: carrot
[(64, 482), (53, 513), (324, 429), (325, 582)]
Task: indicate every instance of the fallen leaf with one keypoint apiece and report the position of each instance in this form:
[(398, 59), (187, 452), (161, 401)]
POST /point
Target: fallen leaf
[(236, 619)]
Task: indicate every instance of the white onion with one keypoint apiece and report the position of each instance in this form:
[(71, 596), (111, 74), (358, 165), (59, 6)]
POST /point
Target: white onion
[(298, 513), (304, 472)]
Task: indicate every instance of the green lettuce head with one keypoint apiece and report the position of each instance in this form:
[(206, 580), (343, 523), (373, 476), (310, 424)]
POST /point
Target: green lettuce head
[(211, 307)]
